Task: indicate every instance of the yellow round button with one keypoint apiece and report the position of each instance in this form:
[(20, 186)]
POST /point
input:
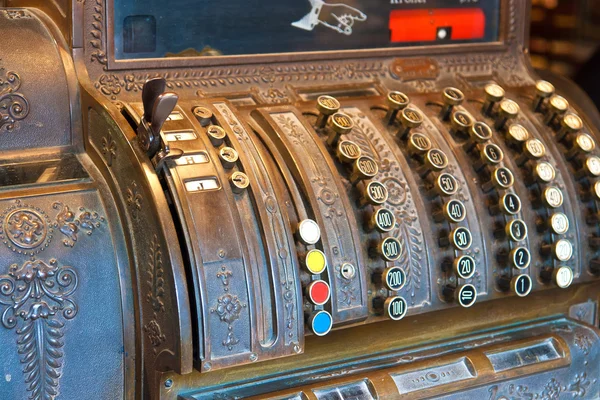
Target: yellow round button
[(315, 261)]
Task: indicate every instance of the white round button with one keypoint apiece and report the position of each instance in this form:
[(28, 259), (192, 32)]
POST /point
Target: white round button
[(536, 148), (545, 171), (563, 277), (593, 165), (563, 250), (544, 87), (553, 197), (309, 232), (495, 91), (559, 103), (585, 142), (559, 223), (518, 133)]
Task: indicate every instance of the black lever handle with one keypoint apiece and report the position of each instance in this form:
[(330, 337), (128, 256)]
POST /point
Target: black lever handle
[(152, 89), (162, 108)]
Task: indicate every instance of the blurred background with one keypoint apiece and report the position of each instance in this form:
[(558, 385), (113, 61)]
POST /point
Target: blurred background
[(565, 38)]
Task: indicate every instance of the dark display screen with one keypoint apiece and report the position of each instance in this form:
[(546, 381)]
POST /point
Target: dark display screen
[(159, 28)]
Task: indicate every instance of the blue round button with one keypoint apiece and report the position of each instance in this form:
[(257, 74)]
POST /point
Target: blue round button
[(321, 323)]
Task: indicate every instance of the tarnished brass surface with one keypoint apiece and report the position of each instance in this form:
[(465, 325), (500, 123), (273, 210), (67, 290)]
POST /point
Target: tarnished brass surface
[(186, 227)]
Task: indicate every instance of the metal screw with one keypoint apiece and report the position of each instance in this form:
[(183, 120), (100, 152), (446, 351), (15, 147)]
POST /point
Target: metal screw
[(169, 383)]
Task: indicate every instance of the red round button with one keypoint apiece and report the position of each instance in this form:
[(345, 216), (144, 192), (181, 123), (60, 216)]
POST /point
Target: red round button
[(318, 292)]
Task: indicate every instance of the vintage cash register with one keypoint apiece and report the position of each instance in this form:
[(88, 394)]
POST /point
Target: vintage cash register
[(300, 200)]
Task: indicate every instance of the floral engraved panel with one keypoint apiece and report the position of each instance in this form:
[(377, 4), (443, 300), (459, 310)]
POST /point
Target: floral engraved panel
[(37, 301), (25, 229), (13, 105), (228, 308), (71, 224)]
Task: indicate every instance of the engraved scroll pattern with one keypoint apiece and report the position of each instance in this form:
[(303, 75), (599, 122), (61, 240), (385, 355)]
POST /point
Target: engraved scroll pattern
[(331, 208), (285, 253), (408, 232), (36, 297), (13, 105), (37, 300)]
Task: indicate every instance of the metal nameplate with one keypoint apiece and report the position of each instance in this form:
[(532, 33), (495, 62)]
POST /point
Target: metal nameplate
[(409, 382)]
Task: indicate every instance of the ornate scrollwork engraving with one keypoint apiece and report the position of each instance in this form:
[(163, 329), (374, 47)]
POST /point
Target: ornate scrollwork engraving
[(37, 300), (71, 224), (408, 232), (25, 229), (13, 105), (111, 84)]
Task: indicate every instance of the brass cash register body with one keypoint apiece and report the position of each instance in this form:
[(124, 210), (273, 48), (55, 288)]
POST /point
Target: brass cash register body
[(311, 201)]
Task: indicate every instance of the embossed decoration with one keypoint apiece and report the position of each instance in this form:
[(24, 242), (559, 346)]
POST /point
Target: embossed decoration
[(156, 292), (228, 308), (16, 14), (71, 225), (37, 297), (97, 40), (584, 343), (13, 105), (25, 229), (154, 333), (134, 200), (111, 84), (109, 149), (156, 281), (552, 391)]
